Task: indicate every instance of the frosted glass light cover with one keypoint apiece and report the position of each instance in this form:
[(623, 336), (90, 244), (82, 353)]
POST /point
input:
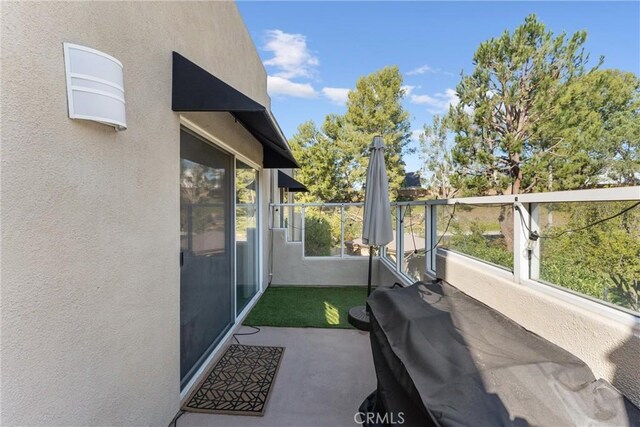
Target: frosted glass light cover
[(95, 86)]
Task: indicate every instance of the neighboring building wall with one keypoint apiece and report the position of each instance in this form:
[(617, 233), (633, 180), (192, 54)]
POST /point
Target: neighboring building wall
[(608, 347), (90, 217)]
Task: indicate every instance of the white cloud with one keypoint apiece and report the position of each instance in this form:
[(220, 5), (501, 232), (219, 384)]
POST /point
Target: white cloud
[(424, 69), (291, 56), (279, 86), (451, 96), (439, 102), (425, 99), (421, 70), (337, 95), (293, 68), (408, 89)]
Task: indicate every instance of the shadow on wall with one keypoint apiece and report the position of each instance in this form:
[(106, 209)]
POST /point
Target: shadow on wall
[(415, 265), (626, 359)]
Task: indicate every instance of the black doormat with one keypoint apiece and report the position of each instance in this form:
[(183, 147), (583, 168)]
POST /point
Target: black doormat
[(239, 383)]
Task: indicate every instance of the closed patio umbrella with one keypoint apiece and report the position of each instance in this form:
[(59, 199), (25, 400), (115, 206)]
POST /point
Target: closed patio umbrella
[(376, 229)]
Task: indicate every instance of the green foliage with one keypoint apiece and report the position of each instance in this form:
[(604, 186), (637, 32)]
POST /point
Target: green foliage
[(334, 158), (593, 129), (325, 164), (564, 271), (474, 240), (561, 271), (438, 162), (621, 110), (374, 108), (601, 261), (517, 80), (531, 117), (317, 236)]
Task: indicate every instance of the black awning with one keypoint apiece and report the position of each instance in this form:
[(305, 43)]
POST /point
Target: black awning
[(285, 181), (195, 89)]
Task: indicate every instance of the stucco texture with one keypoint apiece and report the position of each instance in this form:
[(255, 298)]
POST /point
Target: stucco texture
[(90, 216), (609, 347), (290, 267)]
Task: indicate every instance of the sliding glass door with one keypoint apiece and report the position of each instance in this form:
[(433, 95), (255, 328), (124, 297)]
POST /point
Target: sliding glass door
[(206, 240), (246, 234)]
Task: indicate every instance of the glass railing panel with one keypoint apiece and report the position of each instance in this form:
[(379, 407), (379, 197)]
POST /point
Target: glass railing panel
[(322, 230), (353, 245), (390, 249), (414, 262), (481, 232), (292, 221), (601, 261)]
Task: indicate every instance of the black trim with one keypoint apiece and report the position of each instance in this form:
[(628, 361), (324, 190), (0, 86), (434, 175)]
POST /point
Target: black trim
[(285, 181), (195, 89)]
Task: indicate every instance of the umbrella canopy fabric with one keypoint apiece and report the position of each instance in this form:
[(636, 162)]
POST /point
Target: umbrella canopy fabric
[(376, 230)]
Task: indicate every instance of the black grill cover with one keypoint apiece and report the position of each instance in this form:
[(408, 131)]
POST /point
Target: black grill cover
[(443, 358)]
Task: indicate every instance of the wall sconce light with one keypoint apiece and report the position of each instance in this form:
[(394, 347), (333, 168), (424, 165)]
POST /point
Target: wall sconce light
[(95, 86)]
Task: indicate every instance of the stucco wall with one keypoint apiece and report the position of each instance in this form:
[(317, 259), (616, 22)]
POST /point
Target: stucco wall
[(609, 347), (291, 268), (90, 217), (387, 276)]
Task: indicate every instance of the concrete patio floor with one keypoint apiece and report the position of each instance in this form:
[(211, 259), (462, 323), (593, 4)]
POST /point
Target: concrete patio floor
[(324, 376)]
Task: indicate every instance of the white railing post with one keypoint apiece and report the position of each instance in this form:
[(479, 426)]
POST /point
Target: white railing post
[(270, 214), (534, 263), (520, 237), (342, 231), (399, 236), (428, 237), (292, 225), (433, 234), (303, 226)]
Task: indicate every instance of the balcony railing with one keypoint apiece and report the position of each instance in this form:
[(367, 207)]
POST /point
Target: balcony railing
[(588, 244)]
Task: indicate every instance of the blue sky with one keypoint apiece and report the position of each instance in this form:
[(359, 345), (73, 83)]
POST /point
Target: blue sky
[(315, 51)]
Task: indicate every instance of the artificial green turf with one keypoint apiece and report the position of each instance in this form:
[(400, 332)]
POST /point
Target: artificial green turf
[(306, 307)]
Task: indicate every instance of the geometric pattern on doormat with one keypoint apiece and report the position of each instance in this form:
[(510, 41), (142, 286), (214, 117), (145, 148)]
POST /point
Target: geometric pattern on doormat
[(239, 383)]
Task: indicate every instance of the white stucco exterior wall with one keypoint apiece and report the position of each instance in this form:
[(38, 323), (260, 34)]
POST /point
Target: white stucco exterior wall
[(610, 348), (292, 268), (89, 298)]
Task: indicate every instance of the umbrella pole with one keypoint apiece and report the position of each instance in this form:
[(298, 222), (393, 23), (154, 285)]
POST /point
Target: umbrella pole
[(370, 268)]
